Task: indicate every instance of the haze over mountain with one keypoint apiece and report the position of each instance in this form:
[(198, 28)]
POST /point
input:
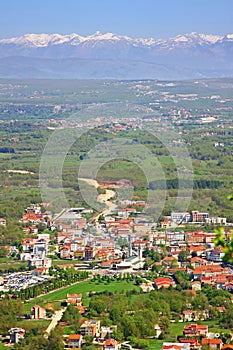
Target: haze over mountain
[(111, 56)]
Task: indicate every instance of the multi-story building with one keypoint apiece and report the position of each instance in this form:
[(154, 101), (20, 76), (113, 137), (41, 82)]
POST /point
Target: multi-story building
[(89, 253), (215, 255), (16, 334), (74, 299), (75, 341), (198, 217), (38, 312), (90, 327), (40, 248), (182, 217)]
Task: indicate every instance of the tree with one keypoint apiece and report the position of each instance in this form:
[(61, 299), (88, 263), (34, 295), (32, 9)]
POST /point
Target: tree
[(72, 316), (55, 340), (88, 339), (183, 256), (226, 243), (98, 306), (101, 217), (182, 279), (227, 319), (223, 241), (200, 302), (37, 342), (4, 252), (89, 347), (10, 311), (123, 243), (152, 254), (164, 323)]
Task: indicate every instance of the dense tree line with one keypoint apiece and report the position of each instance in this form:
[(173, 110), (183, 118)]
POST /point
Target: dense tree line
[(174, 184), (10, 313), (61, 278)]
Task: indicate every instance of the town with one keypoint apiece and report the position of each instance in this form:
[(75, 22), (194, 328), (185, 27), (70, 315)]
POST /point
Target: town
[(120, 244)]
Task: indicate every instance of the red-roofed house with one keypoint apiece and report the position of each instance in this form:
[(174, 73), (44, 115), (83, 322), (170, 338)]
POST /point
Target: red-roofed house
[(81, 309), (80, 223), (208, 271), (206, 280), (75, 341), (65, 253), (89, 253), (197, 262), (172, 347), (2, 221), (164, 282), (194, 345), (210, 237), (196, 285), (227, 347), (199, 249), (33, 230), (176, 346), (111, 344), (61, 236), (75, 299), (28, 244), (102, 254), (195, 330), (212, 343)]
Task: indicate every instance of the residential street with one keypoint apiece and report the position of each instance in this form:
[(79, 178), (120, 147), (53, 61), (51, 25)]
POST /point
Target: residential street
[(56, 318)]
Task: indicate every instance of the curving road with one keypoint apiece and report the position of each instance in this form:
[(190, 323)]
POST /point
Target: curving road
[(102, 198)]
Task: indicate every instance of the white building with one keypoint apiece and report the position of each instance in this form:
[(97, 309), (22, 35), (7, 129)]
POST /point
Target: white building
[(40, 248), (216, 220), (16, 334), (176, 236), (182, 217), (214, 255)]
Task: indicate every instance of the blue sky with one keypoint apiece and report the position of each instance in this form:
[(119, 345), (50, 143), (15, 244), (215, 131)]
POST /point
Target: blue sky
[(136, 18)]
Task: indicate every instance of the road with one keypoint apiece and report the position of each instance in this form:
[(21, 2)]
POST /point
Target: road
[(102, 198), (59, 214), (56, 318)]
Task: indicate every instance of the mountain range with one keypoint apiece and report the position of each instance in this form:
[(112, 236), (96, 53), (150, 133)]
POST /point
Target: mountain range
[(110, 56)]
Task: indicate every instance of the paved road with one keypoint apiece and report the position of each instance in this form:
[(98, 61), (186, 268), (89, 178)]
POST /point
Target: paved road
[(56, 318)]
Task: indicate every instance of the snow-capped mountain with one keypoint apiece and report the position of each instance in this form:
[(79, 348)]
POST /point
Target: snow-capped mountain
[(113, 56)]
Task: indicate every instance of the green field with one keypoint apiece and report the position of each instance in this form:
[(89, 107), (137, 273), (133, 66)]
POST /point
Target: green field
[(83, 287), (155, 344), (33, 324)]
